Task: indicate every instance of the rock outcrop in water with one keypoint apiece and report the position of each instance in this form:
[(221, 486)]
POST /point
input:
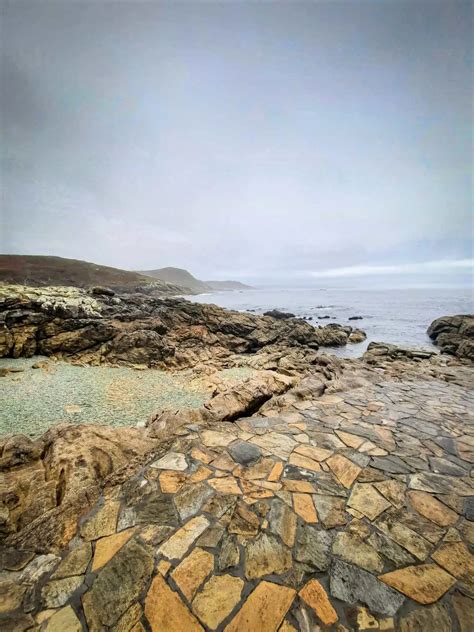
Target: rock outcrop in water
[(454, 335)]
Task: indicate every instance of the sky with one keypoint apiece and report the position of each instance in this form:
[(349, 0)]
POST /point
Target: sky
[(269, 142)]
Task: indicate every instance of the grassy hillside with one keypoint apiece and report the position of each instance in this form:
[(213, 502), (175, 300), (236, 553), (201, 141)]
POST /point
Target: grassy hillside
[(42, 271), (184, 278), (178, 276), (227, 285)]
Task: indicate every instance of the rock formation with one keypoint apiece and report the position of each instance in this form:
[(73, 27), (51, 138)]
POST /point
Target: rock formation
[(133, 328), (454, 335)]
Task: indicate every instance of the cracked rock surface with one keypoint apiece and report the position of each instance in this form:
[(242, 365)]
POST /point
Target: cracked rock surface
[(344, 510)]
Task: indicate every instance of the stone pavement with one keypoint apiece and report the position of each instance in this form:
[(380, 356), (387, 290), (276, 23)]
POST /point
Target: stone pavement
[(350, 511)]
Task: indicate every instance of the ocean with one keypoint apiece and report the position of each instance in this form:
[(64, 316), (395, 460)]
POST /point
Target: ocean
[(399, 317)]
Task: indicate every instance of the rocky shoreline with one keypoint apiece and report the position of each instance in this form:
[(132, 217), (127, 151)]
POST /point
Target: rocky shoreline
[(318, 494)]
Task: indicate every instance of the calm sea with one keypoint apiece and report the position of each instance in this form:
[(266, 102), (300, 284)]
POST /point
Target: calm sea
[(396, 316)]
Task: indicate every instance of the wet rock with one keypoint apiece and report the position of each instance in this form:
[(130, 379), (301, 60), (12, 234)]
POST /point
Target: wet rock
[(351, 584)]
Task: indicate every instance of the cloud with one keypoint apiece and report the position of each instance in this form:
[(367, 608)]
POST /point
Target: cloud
[(259, 141), (426, 267)]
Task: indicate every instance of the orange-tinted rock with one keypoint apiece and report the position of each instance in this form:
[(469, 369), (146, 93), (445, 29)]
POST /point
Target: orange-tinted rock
[(166, 612), (264, 609), (317, 599), (425, 583)]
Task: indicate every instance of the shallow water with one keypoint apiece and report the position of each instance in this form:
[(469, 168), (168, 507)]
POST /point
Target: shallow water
[(35, 399), (396, 316)]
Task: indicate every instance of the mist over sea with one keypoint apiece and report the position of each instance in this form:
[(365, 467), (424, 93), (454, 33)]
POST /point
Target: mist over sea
[(398, 316)]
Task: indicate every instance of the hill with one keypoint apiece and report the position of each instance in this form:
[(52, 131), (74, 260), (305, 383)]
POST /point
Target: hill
[(40, 271), (181, 277), (227, 285), (178, 276)]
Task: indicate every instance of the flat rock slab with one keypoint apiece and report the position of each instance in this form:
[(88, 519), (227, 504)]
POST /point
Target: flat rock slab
[(244, 452), (351, 584)]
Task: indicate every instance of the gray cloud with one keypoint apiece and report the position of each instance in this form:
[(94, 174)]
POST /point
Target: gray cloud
[(258, 141)]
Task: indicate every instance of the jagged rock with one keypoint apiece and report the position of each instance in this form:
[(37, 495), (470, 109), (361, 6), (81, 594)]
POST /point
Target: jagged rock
[(454, 335), (278, 314)]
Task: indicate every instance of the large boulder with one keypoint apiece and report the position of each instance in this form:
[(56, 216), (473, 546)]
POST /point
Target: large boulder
[(454, 335)]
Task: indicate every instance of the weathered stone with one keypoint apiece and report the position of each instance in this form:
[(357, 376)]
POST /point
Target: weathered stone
[(313, 547), (464, 608), (352, 549), (13, 559), (166, 612), (193, 570), (282, 522), (212, 536), (229, 554), (118, 584), (313, 452), (264, 609), (244, 452), (425, 583), (171, 482), (390, 549), (38, 567), (276, 443), (190, 499), (456, 558), (346, 472), (178, 544), (129, 620), (366, 499), (303, 462), (227, 485), (102, 523), (317, 599), (217, 599), (244, 521), (11, 595), (431, 508), (352, 584), (215, 439), (106, 548), (171, 461), (57, 592), (433, 618), (405, 537), (64, 620), (330, 510), (76, 561), (266, 555), (304, 507), (441, 484)]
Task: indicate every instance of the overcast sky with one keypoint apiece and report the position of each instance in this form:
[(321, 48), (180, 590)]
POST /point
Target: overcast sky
[(249, 140)]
